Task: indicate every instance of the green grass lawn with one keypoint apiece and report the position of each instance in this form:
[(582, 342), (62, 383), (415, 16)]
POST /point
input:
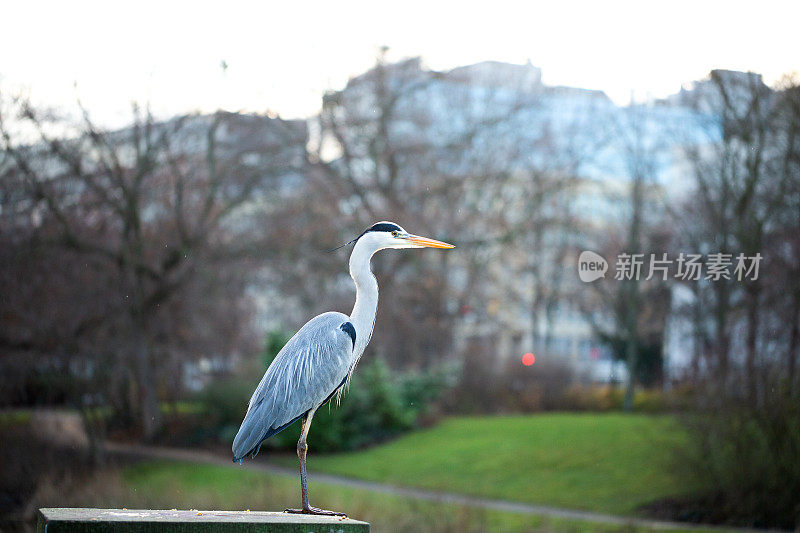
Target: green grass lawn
[(13, 417), (604, 462), (170, 484), (611, 463), (21, 416)]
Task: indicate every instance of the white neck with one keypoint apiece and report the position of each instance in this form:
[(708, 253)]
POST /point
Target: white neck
[(363, 315)]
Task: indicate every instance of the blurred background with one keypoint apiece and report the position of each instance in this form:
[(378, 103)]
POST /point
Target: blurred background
[(171, 176)]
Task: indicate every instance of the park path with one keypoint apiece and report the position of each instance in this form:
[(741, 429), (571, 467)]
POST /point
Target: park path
[(151, 452)]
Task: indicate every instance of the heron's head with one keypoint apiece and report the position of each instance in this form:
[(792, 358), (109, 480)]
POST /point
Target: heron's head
[(390, 235)]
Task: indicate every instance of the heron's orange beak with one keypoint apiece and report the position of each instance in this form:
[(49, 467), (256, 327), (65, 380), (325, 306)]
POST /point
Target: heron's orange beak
[(429, 243)]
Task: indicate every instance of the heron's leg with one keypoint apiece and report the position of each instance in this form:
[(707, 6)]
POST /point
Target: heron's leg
[(302, 449)]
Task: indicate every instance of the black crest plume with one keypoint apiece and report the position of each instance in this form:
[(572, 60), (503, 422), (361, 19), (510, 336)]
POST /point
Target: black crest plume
[(380, 226)]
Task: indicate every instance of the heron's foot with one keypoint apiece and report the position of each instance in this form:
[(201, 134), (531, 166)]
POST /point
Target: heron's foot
[(314, 510)]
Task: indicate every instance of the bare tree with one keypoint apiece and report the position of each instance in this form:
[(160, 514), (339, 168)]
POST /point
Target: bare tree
[(152, 207), (744, 202), (628, 310), (787, 116)]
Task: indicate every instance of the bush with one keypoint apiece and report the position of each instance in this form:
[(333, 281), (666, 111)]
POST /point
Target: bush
[(593, 398), (745, 453), (512, 388), (548, 385), (654, 401), (607, 398), (380, 404), (223, 406)]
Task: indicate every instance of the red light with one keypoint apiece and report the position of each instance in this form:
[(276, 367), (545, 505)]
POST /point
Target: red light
[(528, 359)]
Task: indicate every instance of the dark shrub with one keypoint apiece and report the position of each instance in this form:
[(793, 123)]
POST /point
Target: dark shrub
[(745, 452), (485, 387), (223, 406), (380, 403), (579, 397)]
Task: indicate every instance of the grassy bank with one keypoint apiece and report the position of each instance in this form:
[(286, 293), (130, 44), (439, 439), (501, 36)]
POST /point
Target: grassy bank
[(610, 463), (171, 484)]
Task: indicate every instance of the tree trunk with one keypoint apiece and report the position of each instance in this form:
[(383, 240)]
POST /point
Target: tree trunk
[(94, 425), (752, 333), (536, 292), (697, 330), (148, 402), (632, 291), (721, 319), (794, 341), (632, 306)]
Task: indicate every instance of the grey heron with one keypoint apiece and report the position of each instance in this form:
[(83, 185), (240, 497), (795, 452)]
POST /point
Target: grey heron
[(319, 359)]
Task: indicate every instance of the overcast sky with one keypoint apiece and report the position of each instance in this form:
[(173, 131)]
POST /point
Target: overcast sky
[(282, 57)]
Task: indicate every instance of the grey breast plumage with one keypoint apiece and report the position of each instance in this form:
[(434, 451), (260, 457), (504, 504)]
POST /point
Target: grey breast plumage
[(305, 373)]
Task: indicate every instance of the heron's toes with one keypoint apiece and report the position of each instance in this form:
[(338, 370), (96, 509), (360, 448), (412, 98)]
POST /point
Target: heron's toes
[(314, 510)]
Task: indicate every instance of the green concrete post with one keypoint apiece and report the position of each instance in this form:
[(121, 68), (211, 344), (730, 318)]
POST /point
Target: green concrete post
[(79, 520)]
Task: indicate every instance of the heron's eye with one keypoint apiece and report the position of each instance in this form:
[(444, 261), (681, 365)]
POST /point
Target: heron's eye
[(395, 233)]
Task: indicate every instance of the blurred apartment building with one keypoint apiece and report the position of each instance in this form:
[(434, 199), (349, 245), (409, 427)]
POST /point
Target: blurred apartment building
[(489, 121), (500, 122), (508, 125)]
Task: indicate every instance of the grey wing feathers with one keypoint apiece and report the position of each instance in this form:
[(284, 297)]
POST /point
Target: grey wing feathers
[(307, 370)]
